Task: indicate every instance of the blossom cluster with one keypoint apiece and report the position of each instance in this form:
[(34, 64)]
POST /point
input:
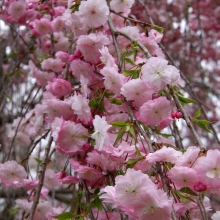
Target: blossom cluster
[(105, 103)]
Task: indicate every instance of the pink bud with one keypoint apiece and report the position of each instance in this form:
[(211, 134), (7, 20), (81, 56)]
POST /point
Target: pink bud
[(179, 115), (199, 187), (173, 115), (155, 95), (30, 5)]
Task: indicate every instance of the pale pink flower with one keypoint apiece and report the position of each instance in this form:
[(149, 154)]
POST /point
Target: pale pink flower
[(121, 6), (131, 31), (93, 13), (59, 87), (17, 9), (137, 90), (188, 158), (63, 56), (165, 123), (158, 74), (106, 163), (100, 135), (80, 105), (208, 168), (183, 177), (107, 58), (155, 35), (216, 215), (113, 81), (155, 111), (55, 65), (130, 186), (43, 77), (42, 26), (89, 45), (85, 172), (57, 108), (50, 179), (55, 127), (166, 154), (108, 195), (11, 173), (70, 138), (80, 68)]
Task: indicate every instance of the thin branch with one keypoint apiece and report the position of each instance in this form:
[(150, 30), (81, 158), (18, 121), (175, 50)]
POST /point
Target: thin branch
[(41, 179)]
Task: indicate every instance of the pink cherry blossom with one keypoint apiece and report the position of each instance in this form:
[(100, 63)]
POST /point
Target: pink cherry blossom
[(93, 13), (121, 6), (158, 74), (17, 9), (155, 111), (113, 81), (137, 90), (89, 45), (70, 138), (166, 154), (42, 26), (11, 173), (80, 105), (208, 168), (130, 186), (59, 87), (183, 177), (55, 65), (50, 179), (100, 135), (188, 158)]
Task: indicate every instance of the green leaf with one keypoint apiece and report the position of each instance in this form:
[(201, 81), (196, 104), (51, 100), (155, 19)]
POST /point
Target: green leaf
[(128, 53), (198, 113), (119, 124), (158, 28), (131, 72), (203, 124), (13, 211), (38, 160), (116, 101), (166, 135), (97, 203), (65, 216), (132, 132), (184, 197), (120, 135), (188, 191), (138, 151), (184, 99), (131, 162), (128, 60)]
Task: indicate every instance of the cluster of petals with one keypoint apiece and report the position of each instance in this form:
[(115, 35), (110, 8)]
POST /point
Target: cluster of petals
[(138, 196), (158, 73)]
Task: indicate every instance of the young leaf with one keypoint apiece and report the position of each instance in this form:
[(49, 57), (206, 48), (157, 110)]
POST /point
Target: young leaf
[(198, 113), (38, 160), (65, 216), (128, 60), (138, 151), (132, 132), (183, 197), (203, 124), (185, 100), (119, 124), (131, 72), (116, 101), (120, 135), (131, 162), (188, 191), (158, 28), (97, 203), (13, 211)]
